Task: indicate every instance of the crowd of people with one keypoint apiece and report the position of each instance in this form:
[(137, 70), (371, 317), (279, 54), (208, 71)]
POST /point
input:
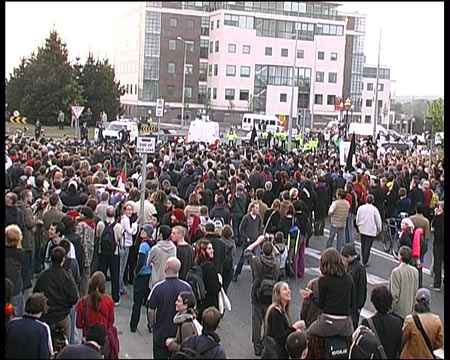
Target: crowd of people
[(74, 222)]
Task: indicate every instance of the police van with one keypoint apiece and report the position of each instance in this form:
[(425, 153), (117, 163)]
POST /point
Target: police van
[(113, 128), (261, 123)]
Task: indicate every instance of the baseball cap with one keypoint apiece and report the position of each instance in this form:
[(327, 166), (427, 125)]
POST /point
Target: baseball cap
[(423, 295), (148, 229)]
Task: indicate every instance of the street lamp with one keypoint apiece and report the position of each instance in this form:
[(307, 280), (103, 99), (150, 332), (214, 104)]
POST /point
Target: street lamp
[(347, 105), (412, 121), (184, 80), (341, 109)]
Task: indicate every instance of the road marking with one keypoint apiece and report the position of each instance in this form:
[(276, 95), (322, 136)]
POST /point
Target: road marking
[(382, 254)]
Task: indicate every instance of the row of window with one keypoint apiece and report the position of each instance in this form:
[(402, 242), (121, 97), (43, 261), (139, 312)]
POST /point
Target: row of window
[(370, 87), (189, 45), (232, 49), (129, 89), (369, 103), (241, 21), (318, 99), (320, 76), (217, 24)]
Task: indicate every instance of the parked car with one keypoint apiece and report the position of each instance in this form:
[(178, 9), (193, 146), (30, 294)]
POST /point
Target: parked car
[(113, 129)]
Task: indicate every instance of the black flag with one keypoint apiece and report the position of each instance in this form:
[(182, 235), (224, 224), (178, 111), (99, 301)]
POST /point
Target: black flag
[(351, 152)]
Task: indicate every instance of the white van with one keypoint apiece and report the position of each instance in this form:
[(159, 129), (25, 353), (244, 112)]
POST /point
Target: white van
[(271, 121), (112, 130)]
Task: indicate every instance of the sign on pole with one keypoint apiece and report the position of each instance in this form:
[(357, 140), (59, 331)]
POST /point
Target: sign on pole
[(159, 107), (77, 110), (344, 148), (146, 145)]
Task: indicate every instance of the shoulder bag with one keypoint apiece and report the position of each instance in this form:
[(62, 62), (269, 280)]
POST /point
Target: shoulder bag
[(424, 334)]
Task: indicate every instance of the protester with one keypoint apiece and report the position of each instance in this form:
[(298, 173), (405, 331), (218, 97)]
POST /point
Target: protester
[(422, 330), (338, 211), (438, 246), (27, 337), (388, 326), (159, 253), (162, 308)]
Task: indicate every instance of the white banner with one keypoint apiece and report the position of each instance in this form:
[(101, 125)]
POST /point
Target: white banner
[(77, 110), (344, 147)]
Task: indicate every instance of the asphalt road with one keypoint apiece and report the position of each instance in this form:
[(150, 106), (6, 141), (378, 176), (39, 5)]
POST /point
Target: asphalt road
[(235, 328)]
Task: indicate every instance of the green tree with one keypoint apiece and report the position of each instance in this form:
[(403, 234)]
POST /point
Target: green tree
[(100, 89), (435, 112), (43, 84)]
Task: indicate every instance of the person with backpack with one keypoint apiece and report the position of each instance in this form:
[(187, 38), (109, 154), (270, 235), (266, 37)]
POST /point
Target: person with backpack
[(142, 276), (162, 307), (91, 348), (403, 284), (207, 345), (109, 235), (422, 330), (86, 229), (356, 270), (220, 210), (265, 273), (206, 273), (385, 325), (185, 320)]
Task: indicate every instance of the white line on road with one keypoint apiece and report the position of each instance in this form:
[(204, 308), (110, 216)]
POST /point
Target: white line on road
[(382, 254)]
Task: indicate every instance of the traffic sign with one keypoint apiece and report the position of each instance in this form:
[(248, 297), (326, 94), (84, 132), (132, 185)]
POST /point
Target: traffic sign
[(159, 107), (146, 144), (77, 110)]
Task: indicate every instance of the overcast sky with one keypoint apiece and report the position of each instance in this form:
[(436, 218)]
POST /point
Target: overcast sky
[(412, 36)]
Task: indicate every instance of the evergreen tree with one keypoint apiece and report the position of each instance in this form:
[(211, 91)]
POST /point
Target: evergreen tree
[(435, 112)]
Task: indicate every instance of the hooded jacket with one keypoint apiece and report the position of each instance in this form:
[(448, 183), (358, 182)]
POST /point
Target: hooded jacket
[(157, 258), (185, 329), (358, 273), (207, 340), (262, 267)]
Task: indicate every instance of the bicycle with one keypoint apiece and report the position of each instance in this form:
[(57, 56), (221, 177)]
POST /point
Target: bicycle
[(390, 235)]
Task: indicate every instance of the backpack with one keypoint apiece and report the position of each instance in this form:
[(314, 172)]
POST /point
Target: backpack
[(195, 278), (108, 243), (366, 345), (218, 223), (87, 234), (405, 239), (265, 289), (189, 353), (336, 347)]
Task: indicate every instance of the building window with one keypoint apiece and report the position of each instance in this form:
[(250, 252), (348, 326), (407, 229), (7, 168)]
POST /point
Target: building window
[(209, 93), (368, 103), (190, 46), (212, 25), (231, 70), (170, 90), (331, 99), (190, 24), (380, 103), (187, 92), (321, 55), (173, 22), (217, 24), (172, 44), (268, 51), (245, 71), (210, 69), (202, 71), (204, 43), (135, 89), (217, 46), (229, 94), (319, 76), (333, 56), (370, 86), (283, 98), (284, 52), (246, 49), (232, 48), (171, 68), (318, 99), (214, 93), (216, 69), (202, 91), (243, 95), (367, 119), (332, 77), (380, 87), (211, 47), (189, 68), (300, 54)]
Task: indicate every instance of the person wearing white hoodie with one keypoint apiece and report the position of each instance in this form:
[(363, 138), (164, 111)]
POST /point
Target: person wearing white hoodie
[(159, 254), (130, 229)]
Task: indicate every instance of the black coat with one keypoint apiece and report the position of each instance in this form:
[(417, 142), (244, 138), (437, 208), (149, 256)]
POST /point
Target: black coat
[(15, 216), (359, 276), (220, 250), (389, 329), (212, 286), (273, 226), (221, 212)]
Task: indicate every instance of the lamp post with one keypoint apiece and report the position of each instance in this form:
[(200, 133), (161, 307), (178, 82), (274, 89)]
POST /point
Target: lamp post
[(412, 121), (347, 105), (341, 109), (184, 80)]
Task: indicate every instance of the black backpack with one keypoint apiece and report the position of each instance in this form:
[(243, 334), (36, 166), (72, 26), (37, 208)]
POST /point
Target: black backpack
[(265, 289), (190, 353), (108, 243), (366, 344), (336, 347), (195, 278)]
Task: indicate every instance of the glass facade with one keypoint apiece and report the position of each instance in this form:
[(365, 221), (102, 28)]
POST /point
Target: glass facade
[(284, 29), (280, 75), (356, 83), (152, 45)]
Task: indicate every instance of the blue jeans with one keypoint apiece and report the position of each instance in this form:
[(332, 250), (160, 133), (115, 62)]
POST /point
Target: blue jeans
[(17, 302), (340, 232), (349, 229), (123, 255)]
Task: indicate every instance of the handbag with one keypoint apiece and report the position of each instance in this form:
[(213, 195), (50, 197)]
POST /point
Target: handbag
[(424, 334), (224, 301)]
